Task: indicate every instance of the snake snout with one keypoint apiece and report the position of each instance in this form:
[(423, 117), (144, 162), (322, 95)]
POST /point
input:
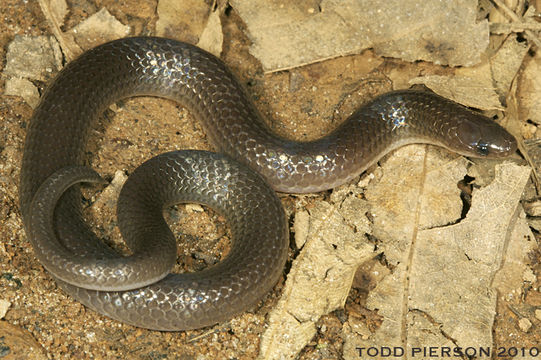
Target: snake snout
[(482, 137)]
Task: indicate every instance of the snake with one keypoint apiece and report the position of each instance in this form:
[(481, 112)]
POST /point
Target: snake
[(240, 180)]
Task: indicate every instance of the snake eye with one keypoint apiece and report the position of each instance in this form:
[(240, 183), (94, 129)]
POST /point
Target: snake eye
[(482, 148)]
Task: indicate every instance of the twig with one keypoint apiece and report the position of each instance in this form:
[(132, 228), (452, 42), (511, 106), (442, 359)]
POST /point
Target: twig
[(516, 18), (68, 45), (506, 28), (205, 334)]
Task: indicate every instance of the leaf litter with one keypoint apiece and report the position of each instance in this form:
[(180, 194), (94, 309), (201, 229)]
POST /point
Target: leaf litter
[(443, 32), (439, 269)]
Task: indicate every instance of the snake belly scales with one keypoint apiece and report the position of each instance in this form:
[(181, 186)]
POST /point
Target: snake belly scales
[(138, 289)]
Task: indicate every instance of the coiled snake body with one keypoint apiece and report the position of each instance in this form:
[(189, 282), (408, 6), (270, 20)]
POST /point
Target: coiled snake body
[(137, 289)]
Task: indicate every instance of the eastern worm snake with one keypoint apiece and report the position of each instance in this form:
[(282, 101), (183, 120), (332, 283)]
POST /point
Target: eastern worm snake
[(138, 289)]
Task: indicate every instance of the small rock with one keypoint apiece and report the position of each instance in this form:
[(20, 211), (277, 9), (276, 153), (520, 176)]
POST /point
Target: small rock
[(538, 314), (524, 324), (191, 208), (295, 81), (23, 88), (33, 57), (4, 306)]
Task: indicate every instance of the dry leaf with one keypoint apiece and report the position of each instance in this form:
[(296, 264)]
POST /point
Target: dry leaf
[(440, 292), (529, 22), (511, 122), (496, 14), (484, 86), (474, 89), (40, 58), (212, 38), (52, 11), (300, 227), (286, 36), (320, 277), (506, 63), (406, 184), (509, 279), (97, 29), (514, 14), (59, 10), (182, 20), (529, 90)]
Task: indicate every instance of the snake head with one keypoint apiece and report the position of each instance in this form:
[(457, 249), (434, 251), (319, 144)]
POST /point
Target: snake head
[(479, 136)]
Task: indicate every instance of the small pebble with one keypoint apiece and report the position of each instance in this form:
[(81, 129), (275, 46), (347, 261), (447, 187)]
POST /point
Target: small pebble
[(4, 306), (538, 314), (524, 324), (194, 208), (295, 81)]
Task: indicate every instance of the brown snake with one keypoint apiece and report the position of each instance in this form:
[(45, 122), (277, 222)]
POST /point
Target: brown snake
[(137, 289)]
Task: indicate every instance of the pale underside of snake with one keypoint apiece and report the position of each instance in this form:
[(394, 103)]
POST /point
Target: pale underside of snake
[(138, 289)]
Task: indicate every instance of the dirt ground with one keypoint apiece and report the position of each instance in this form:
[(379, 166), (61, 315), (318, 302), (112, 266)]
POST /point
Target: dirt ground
[(304, 106)]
